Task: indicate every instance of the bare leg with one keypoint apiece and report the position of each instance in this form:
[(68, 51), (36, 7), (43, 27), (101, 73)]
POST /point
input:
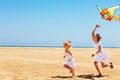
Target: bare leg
[(97, 68), (106, 65), (66, 66), (73, 73), (71, 70)]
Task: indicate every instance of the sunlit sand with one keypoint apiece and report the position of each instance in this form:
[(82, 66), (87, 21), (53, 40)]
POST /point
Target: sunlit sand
[(47, 64)]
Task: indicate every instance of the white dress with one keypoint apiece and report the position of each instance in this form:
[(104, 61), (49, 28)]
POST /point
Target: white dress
[(102, 56), (70, 63)]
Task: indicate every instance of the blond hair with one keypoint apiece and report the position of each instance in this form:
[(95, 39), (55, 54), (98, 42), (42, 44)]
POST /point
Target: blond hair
[(67, 43)]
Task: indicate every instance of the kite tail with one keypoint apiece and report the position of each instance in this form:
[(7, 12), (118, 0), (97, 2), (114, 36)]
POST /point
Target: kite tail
[(99, 9)]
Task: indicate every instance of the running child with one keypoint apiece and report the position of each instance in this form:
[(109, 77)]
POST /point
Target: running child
[(69, 63), (100, 55)]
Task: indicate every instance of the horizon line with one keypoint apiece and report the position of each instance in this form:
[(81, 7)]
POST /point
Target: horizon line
[(53, 46)]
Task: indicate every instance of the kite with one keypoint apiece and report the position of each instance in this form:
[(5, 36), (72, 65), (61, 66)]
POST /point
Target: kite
[(108, 13)]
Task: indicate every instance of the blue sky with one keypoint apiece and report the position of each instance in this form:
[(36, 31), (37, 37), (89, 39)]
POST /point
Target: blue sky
[(50, 22)]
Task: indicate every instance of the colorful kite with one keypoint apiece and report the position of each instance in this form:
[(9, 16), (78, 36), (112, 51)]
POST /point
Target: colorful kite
[(108, 13)]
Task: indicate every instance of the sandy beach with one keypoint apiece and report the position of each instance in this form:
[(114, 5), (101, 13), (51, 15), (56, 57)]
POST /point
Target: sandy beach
[(19, 63)]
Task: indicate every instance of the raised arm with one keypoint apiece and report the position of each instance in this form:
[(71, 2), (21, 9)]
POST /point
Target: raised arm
[(93, 32)]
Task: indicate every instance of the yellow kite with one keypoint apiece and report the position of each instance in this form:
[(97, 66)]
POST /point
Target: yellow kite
[(108, 13)]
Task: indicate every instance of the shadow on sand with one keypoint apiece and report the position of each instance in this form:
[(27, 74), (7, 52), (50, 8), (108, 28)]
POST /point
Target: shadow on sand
[(85, 76), (63, 77)]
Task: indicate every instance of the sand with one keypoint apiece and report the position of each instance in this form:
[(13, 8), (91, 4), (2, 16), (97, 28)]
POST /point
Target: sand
[(18, 63)]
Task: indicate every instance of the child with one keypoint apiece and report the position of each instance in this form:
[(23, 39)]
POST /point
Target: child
[(69, 63), (100, 55)]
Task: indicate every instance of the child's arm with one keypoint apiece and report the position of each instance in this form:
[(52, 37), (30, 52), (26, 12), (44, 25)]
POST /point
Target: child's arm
[(99, 49), (64, 56), (71, 56), (93, 32)]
